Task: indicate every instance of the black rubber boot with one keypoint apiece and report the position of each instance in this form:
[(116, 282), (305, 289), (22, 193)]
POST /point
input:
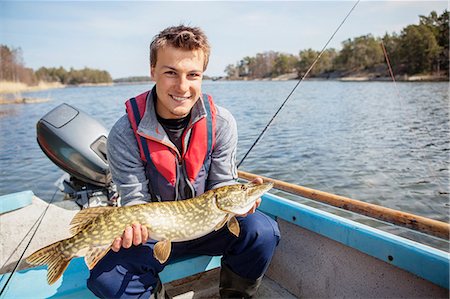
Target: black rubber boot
[(159, 292), (234, 286)]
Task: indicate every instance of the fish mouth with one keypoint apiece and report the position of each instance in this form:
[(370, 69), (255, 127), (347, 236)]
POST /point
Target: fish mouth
[(252, 192), (260, 189)]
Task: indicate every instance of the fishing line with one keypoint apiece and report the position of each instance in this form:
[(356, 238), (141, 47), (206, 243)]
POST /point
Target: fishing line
[(38, 221), (390, 69), (296, 85), (399, 96)]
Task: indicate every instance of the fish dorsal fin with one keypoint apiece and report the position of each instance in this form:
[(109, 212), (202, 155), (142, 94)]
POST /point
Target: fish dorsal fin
[(84, 217), (161, 250), (95, 254), (233, 226)]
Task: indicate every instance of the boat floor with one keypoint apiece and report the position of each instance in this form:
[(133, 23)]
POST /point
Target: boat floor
[(206, 285)]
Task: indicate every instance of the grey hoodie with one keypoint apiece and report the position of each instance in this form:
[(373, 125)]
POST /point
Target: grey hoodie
[(128, 170)]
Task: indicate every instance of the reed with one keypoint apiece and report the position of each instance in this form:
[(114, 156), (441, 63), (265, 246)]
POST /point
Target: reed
[(9, 87)]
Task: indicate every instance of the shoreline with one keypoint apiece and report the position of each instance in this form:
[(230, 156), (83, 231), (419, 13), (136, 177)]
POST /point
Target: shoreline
[(13, 88), (10, 91), (351, 78)]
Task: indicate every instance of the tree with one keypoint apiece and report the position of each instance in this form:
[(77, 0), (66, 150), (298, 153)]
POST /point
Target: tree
[(283, 64), (443, 41), (393, 48), (439, 26), (360, 53), (6, 63), (231, 71), (419, 49), (324, 64), (12, 67), (307, 58)]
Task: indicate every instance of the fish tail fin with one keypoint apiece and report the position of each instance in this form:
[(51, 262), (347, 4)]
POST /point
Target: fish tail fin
[(55, 259)]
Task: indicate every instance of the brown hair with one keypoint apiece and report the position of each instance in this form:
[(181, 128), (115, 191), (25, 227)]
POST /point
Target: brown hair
[(181, 37)]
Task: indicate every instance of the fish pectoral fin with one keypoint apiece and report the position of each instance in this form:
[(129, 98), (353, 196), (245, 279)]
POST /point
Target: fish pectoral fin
[(95, 254), (221, 223), (161, 250), (233, 226)]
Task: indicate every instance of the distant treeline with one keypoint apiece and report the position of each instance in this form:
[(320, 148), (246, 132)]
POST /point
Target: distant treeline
[(418, 49), (12, 68), (73, 77), (133, 79)]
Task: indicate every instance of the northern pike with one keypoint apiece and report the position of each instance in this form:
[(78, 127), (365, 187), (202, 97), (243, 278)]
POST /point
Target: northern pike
[(94, 229)]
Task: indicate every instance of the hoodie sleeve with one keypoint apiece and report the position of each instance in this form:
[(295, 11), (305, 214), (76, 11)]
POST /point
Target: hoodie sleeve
[(223, 170), (127, 168)]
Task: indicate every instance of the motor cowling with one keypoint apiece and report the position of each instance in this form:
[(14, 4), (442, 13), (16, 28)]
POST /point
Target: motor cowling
[(76, 143)]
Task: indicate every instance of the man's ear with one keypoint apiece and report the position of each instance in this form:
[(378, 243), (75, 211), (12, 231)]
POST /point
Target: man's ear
[(152, 73)]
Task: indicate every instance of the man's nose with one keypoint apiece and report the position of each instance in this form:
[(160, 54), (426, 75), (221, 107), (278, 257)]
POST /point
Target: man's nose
[(183, 84)]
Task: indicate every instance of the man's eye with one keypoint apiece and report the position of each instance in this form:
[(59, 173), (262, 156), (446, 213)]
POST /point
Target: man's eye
[(170, 73)]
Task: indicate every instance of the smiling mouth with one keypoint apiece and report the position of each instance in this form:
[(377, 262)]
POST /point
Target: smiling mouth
[(180, 99)]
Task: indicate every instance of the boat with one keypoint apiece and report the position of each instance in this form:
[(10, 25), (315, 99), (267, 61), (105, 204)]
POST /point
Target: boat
[(321, 254)]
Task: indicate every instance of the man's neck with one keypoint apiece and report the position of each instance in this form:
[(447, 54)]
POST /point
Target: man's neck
[(175, 128)]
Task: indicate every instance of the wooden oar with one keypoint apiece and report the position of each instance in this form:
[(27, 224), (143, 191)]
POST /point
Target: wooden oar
[(433, 227)]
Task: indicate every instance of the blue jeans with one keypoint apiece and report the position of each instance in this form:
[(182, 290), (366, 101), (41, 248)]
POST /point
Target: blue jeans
[(133, 272)]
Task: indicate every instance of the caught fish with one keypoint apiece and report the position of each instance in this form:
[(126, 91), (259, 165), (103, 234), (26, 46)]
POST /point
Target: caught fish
[(95, 229)]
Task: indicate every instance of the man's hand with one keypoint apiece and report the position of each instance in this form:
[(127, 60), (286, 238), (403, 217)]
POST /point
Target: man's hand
[(257, 181), (132, 235)]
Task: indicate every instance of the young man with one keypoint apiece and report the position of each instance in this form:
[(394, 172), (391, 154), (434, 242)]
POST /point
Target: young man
[(174, 143)]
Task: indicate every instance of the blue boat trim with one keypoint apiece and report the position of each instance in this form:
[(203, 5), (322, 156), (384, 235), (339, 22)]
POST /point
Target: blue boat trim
[(73, 282), (424, 261), (189, 266), (14, 201)]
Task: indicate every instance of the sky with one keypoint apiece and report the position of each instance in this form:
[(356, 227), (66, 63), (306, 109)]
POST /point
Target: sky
[(115, 35)]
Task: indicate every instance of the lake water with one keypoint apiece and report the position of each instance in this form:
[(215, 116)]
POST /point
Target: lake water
[(361, 140)]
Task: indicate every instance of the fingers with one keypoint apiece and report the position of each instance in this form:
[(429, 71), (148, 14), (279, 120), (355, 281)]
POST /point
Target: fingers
[(136, 234), (127, 237), (117, 244), (258, 203), (257, 181), (144, 232), (255, 206)]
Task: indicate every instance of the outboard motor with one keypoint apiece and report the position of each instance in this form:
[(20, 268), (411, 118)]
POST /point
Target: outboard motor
[(77, 144)]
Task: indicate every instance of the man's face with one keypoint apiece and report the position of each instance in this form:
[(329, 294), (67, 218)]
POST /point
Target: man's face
[(178, 75)]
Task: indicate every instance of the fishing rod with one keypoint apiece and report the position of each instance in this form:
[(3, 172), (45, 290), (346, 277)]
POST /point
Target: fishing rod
[(296, 85)]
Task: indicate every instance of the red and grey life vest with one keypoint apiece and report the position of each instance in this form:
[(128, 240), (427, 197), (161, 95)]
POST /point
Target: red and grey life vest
[(169, 172)]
